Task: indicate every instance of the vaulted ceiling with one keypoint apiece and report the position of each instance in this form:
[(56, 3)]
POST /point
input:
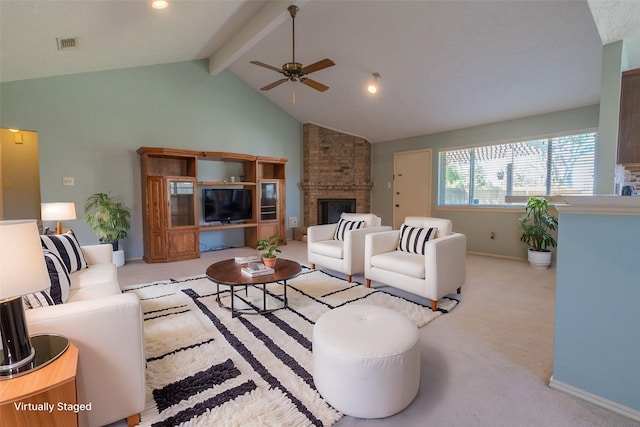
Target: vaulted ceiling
[(443, 64)]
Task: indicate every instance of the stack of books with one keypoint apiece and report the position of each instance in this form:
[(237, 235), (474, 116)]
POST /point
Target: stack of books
[(255, 269)]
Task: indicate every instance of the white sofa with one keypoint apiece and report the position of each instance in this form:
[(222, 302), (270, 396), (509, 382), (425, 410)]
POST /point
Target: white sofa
[(345, 256), (106, 327), (440, 271)]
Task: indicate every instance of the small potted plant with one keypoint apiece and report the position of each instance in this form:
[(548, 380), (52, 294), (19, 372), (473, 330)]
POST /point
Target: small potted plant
[(536, 227), (270, 248), (108, 217)]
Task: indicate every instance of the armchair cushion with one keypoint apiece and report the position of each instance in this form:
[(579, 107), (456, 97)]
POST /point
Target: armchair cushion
[(66, 246), (330, 248), (414, 239), (344, 226), (405, 263)]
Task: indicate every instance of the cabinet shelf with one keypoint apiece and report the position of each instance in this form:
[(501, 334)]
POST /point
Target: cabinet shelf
[(217, 227), (225, 183)]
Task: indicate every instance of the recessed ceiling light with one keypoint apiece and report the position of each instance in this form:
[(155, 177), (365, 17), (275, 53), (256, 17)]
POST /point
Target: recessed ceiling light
[(159, 4)]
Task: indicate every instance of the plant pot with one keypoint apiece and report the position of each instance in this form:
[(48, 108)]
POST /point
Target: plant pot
[(539, 259), (269, 262)]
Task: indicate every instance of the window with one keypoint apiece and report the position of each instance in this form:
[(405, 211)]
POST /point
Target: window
[(548, 166)]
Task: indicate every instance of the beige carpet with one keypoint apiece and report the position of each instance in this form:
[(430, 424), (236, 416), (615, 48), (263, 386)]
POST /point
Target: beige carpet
[(487, 363)]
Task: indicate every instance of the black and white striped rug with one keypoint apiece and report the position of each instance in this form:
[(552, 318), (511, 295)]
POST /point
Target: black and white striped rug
[(205, 368)]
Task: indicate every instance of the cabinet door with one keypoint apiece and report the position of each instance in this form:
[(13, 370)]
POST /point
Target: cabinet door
[(155, 236), (269, 200), (629, 131), (184, 244), (267, 230), (182, 202)]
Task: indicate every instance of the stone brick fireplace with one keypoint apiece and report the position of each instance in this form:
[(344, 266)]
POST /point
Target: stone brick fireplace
[(337, 171)]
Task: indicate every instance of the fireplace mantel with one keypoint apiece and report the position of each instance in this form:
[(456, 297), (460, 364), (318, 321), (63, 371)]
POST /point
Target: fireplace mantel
[(320, 186)]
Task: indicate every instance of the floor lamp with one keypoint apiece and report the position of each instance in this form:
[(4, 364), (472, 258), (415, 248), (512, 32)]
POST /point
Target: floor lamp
[(22, 271), (57, 212)]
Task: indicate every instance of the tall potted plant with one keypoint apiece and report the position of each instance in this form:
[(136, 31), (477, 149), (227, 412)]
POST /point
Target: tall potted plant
[(536, 227), (270, 248), (108, 217)]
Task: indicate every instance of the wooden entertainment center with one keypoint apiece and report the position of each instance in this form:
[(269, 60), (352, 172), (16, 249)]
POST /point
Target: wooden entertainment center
[(171, 200)]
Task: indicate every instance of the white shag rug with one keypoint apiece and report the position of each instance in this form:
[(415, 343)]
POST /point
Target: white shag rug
[(205, 368)]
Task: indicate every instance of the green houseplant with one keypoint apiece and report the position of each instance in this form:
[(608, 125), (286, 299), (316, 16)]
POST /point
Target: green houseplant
[(270, 248), (108, 217), (536, 231)]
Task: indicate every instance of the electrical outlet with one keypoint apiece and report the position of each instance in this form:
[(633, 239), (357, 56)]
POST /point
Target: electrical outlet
[(293, 221), (68, 180)]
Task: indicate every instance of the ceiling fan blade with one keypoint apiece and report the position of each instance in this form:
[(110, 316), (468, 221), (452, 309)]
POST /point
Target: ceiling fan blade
[(262, 64), (314, 84), (274, 84), (317, 66)]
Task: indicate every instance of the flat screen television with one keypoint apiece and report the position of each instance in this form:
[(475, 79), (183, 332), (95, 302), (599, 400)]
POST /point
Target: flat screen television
[(224, 204)]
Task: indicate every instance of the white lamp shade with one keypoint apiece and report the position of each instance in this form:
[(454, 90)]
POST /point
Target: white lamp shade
[(57, 211), (22, 267)]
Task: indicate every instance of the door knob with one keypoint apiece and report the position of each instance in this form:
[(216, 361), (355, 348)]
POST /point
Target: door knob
[(397, 206)]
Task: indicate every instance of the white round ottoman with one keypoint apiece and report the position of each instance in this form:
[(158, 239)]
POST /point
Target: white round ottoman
[(366, 360)]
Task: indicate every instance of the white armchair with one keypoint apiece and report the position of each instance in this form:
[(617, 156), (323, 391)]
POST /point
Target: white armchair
[(347, 255), (440, 271)]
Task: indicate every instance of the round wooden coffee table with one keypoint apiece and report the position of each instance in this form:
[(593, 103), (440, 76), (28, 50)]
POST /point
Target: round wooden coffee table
[(229, 273)]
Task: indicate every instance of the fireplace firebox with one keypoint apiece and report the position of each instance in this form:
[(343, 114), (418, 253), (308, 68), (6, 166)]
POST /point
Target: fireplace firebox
[(329, 210)]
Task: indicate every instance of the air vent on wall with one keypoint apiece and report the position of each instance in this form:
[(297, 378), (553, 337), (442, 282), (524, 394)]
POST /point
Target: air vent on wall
[(65, 43)]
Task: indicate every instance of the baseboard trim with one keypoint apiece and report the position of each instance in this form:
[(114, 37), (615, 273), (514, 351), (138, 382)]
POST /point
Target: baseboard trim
[(486, 254), (595, 399)]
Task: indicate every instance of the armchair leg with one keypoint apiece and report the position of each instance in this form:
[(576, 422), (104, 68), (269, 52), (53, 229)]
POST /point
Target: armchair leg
[(434, 305), (133, 420), (459, 290), (349, 278), (368, 283)]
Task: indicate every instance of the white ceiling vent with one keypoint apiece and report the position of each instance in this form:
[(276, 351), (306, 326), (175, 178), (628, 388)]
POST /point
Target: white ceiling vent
[(66, 43)]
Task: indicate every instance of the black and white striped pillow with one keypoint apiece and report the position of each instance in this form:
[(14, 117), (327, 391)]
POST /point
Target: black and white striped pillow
[(59, 284), (414, 239), (66, 246), (37, 300), (344, 226)]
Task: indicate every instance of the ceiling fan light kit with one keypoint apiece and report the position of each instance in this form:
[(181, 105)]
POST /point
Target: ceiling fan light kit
[(295, 71)]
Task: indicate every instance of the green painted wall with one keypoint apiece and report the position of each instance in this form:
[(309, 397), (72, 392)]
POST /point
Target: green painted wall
[(90, 125), (476, 223)]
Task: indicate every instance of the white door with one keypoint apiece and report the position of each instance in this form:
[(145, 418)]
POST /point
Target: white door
[(411, 185)]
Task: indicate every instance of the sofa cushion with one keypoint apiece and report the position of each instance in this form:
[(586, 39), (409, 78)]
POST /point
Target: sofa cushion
[(96, 275), (345, 226), (66, 246), (59, 283), (330, 248), (414, 239)]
